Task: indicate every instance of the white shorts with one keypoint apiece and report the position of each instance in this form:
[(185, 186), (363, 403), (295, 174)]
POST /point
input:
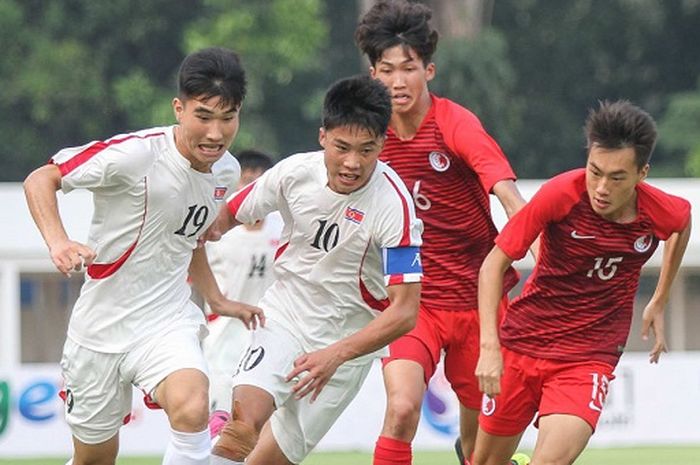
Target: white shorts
[(297, 425), (99, 385), (227, 340)]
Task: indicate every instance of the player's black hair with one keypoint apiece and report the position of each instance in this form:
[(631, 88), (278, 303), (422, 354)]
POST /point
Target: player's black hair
[(620, 124), (360, 102), (213, 72), (251, 159), (396, 22)]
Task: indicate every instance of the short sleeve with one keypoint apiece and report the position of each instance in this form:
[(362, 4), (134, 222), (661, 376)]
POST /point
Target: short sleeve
[(120, 161), (261, 197), (552, 202), (466, 137), (669, 213), (398, 225)]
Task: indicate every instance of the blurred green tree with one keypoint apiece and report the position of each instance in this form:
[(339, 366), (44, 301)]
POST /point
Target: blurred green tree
[(680, 129)]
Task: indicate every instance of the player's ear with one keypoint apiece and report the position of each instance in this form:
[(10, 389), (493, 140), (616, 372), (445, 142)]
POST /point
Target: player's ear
[(178, 109), (322, 137), (644, 172), (430, 71), (373, 72)]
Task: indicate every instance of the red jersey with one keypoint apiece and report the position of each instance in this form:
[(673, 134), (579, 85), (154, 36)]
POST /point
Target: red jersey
[(450, 166), (577, 304)]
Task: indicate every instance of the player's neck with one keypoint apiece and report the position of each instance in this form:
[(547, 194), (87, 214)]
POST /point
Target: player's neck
[(406, 125), (625, 214)]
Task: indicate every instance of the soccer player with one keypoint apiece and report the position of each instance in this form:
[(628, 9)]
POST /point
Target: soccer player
[(155, 192), (347, 281), (242, 265), (451, 164), (563, 336)]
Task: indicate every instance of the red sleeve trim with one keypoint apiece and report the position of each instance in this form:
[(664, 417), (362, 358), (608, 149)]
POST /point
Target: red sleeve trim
[(96, 148), (234, 204), (406, 231)]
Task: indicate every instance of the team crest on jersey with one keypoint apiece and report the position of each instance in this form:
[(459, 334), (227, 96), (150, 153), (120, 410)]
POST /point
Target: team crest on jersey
[(642, 244), (354, 215), (219, 192), (439, 161)]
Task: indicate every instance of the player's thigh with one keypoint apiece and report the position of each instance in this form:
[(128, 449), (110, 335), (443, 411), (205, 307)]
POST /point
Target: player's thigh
[(299, 425), (510, 412), (268, 360), (422, 345), (97, 398), (461, 357), (578, 389), (176, 350), (561, 438)]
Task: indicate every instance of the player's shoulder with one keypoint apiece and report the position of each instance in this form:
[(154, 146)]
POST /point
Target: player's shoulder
[(449, 113), (569, 183), (662, 207), (391, 186), (300, 164)]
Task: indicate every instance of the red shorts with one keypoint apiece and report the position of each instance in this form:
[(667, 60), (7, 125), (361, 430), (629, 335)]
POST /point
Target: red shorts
[(455, 332), (530, 385)]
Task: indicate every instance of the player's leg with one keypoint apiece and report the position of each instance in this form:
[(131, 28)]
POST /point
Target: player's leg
[(259, 387), (96, 402), (252, 407), (104, 453), (573, 395), (461, 357), (504, 418), (267, 450), (171, 369), (297, 426), (561, 439), (183, 395), (411, 363)]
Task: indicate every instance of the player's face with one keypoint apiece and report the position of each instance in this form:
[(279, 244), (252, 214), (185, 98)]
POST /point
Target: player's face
[(611, 178), (249, 175), (406, 77), (205, 131), (350, 155)]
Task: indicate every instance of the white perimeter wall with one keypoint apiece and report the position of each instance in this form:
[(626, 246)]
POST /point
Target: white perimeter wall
[(648, 404)]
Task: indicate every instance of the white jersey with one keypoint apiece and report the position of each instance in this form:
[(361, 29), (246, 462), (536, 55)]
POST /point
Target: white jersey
[(242, 260), (329, 270), (150, 208)]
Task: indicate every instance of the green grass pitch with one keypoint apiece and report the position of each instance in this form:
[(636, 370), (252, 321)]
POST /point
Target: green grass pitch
[(622, 456)]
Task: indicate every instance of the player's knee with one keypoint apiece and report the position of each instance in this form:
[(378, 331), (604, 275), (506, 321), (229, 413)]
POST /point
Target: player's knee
[(236, 440), (403, 413), (190, 413)]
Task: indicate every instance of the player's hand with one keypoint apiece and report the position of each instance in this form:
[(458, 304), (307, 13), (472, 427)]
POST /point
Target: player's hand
[(489, 369), (70, 256), (250, 315), (653, 318), (316, 369)]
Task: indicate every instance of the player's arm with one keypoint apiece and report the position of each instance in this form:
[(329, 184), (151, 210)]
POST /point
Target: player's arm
[(653, 316), (205, 284), (490, 365), (512, 200), (40, 189), (397, 319)]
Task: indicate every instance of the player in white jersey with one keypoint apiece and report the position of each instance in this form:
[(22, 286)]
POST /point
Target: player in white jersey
[(347, 281), (155, 193), (242, 265)]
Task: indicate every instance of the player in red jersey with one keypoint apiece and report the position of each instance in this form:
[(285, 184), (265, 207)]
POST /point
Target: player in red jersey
[(451, 164), (563, 336)]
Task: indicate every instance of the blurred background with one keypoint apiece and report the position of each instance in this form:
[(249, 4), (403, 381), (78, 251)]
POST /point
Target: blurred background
[(79, 70)]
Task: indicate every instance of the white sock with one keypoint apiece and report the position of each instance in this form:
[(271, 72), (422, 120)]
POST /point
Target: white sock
[(188, 448), (216, 460), (70, 462)]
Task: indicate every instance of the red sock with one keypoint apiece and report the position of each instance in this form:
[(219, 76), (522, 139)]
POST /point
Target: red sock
[(390, 451)]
